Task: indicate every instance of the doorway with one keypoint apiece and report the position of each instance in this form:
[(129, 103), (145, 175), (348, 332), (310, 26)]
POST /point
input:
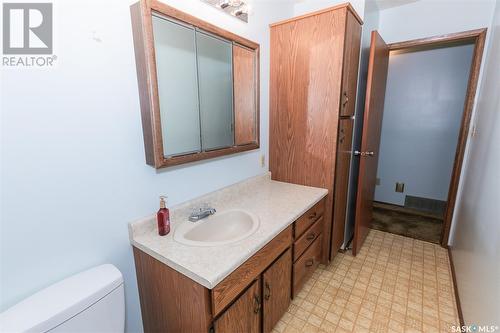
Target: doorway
[(470, 45), (424, 98)]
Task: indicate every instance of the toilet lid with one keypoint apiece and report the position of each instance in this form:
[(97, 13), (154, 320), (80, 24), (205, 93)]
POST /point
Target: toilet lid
[(54, 305)]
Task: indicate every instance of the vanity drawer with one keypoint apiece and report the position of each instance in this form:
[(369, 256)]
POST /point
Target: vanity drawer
[(307, 238), (227, 290), (306, 220), (306, 265)]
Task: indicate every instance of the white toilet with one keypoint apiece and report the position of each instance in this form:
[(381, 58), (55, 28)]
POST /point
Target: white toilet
[(91, 301)]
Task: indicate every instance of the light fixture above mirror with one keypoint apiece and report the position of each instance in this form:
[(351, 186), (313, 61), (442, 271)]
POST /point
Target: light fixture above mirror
[(236, 8)]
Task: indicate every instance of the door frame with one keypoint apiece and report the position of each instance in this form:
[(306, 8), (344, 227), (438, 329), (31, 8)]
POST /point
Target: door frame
[(476, 37)]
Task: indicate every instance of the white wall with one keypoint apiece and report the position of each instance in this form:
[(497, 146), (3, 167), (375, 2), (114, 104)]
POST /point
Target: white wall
[(305, 6), (475, 240), (423, 109), (73, 169), (427, 18)]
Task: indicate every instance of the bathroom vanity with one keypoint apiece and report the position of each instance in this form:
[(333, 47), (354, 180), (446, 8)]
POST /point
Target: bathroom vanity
[(204, 276)]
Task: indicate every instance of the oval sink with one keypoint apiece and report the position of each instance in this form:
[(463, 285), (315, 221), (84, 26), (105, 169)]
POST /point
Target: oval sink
[(218, 229)]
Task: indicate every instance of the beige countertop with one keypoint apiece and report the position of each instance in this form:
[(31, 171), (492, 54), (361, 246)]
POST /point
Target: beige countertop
[(276, 204)]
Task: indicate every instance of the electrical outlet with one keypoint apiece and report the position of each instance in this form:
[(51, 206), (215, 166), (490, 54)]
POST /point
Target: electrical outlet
[(400, 187), (262, 160)]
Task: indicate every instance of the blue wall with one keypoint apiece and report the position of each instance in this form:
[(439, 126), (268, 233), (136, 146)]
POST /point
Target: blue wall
[(423, 110), (73, 167)]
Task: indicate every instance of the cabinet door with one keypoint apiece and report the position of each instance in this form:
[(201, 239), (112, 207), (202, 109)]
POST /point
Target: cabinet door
[(351, 65), (277, 283), (244, 315), (245, 112)]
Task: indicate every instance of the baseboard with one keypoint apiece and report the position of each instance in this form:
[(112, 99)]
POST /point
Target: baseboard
[(405, 210), (455, 285)]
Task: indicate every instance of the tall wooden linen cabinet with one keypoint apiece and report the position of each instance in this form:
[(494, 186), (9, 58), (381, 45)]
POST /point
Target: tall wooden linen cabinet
[(314, 70)]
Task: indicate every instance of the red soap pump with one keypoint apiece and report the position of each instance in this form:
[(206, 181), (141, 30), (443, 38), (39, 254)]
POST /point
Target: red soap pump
[(163, 217)]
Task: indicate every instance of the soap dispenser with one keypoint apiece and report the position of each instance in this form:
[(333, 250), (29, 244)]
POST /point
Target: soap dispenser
[(163, 217)]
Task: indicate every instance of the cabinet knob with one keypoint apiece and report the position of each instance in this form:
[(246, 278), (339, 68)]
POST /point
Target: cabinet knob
[(311, 236), (313, 215), (267, 292), (346, 99), (256, 308), (309, 262)]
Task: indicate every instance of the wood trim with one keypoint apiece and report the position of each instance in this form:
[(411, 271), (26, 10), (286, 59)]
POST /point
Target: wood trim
[(464, 133), (146, 78), (177, 160), (478, 38), (227, 290), (455, 285), (142, 27), (470, 35), (189, 19), (346, 5)]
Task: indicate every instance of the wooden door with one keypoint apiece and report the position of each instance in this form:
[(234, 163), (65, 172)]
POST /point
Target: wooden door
[(277, 284), (370, 142), (245, 111), (344, 152), (244, 315)]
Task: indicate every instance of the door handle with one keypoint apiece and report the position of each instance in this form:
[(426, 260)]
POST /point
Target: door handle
[(364, 153), (267, 292)]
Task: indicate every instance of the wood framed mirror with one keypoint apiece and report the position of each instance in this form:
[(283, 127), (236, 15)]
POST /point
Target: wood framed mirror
[(198, 86)]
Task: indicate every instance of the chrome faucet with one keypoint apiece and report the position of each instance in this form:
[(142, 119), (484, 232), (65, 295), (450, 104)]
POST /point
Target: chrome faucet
[(201, 213)]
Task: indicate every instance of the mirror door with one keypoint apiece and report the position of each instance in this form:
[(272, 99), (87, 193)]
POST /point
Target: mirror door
[(215, 75), (175, 50)]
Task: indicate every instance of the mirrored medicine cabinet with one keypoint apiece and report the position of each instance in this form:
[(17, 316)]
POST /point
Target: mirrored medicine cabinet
[(198, 86)]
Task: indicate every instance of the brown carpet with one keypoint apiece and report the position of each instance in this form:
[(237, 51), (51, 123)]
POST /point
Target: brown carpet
[(407, 222)]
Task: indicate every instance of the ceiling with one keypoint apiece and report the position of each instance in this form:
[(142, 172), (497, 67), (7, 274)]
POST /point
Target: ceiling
[(385, 4)]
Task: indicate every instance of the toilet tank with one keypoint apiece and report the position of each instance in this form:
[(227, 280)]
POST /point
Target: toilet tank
[(91, 301)]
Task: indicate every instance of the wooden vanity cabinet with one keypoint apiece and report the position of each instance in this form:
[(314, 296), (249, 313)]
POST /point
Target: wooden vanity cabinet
[(252, 298), (313, 80)]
